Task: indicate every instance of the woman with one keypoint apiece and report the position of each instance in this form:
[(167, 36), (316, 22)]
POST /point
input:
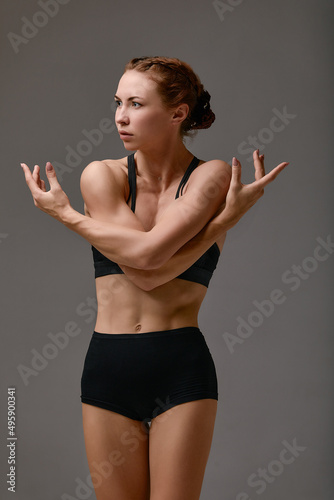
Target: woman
[(157, 221)]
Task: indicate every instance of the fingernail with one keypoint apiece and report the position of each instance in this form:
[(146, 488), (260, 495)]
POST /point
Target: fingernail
[(21, 164), (234, 161), (48, 166)]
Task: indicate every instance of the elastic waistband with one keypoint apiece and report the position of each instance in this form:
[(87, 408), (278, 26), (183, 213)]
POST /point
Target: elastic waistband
[(193, 330)]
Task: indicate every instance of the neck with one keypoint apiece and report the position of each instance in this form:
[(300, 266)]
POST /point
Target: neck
[(163, 164)]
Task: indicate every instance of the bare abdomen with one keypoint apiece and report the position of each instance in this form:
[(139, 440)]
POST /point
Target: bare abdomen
[(125, 308)]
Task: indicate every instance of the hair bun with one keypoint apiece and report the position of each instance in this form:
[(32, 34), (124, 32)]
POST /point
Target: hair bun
[(202, 115)]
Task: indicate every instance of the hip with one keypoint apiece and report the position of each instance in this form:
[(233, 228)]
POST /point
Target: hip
[(144, 374), (148, 354)]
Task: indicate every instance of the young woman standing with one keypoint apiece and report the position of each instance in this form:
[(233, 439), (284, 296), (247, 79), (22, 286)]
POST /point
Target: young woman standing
[(157, 221)]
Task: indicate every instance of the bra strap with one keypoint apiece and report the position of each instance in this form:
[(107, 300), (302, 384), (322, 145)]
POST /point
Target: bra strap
[(194, 163), (132, 181)]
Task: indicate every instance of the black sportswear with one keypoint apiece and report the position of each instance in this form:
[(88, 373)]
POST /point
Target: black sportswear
[(200, 272), (141, 375)]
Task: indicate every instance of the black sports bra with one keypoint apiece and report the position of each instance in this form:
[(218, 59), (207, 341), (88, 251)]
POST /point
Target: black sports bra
[(200, 272)]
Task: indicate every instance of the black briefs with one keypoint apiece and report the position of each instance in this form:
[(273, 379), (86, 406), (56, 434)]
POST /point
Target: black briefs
[(141, 375)]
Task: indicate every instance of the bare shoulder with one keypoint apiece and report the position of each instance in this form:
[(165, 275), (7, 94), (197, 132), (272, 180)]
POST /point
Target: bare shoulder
[(104, 183), (219, 166), (216, 163), (101, 171), (218, 171)]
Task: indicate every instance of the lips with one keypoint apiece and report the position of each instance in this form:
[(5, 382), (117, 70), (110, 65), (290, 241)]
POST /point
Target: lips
[(123, 133)]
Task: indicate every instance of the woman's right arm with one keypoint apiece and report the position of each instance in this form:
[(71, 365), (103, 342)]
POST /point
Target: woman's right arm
[(148, 279), (179, 262), (178, 225), (214, 230), (117, 233), (109, 228)]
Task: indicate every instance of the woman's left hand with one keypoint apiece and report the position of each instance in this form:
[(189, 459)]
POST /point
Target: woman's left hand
[(54, 202)]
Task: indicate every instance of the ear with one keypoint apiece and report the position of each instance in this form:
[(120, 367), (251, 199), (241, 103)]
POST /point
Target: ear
[(180, 113)]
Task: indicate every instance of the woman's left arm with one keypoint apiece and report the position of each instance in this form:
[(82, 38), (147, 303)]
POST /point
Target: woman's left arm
[(184, 258), (179, 230), (126, 245), (214, 230)]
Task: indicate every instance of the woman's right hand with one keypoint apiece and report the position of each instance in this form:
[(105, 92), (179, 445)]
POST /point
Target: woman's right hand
[(241, 197)]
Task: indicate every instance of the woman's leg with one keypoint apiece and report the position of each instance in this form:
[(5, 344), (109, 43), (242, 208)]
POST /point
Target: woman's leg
[(117, 453), (179, 446)]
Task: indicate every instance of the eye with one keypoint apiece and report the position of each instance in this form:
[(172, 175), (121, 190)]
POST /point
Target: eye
[(118, 103), (136, 104)]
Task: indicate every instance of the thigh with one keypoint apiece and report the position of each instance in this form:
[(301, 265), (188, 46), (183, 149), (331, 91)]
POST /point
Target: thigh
[(179, 446), (117, 453)]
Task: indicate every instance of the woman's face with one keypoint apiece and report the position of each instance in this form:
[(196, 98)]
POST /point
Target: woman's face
[(141, 118)]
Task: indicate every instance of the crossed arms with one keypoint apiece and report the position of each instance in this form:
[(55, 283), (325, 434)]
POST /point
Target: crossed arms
[(214, 201)]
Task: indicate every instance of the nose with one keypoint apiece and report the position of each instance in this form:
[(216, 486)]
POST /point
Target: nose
[(121, 115)]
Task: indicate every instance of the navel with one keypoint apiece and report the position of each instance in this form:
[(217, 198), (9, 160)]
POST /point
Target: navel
[(138, 327)]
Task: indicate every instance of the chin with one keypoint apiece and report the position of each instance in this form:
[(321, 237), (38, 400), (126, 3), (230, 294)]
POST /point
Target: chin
[(129, 147), (131, 144)]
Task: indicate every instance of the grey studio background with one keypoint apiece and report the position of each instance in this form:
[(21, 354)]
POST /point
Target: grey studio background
[(267, 317)]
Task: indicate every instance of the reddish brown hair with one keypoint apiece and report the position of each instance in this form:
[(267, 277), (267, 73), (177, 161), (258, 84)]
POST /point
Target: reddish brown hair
[(177, 84)]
